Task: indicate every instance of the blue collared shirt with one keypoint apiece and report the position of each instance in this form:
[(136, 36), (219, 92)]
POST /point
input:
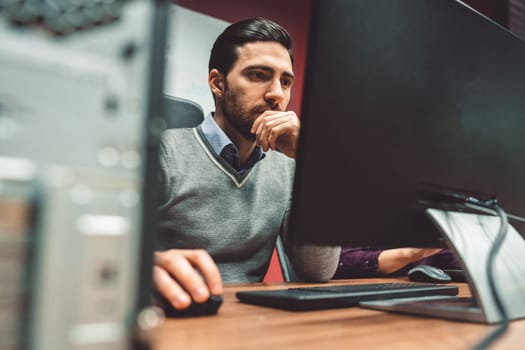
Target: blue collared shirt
[(223, 146)]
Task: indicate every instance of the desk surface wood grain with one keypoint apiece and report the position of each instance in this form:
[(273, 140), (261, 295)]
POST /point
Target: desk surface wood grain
[(244, 326)]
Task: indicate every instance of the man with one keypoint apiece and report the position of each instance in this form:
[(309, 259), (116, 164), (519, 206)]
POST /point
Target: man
[(225, 187)]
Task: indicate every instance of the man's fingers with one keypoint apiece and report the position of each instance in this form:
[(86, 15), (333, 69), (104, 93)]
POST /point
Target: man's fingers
[(168, 288), (287, 127), (267, 115), (268, 128), (263, 128), (202, 261), (178, 266)]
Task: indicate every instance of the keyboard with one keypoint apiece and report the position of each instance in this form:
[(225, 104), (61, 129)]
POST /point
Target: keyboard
[(327, 297)]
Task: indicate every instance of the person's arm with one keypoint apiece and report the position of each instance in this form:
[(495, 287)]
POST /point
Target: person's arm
[(360, 262), (181, 275), (357, 263), (392, 260), (311, 263), (314, 263)]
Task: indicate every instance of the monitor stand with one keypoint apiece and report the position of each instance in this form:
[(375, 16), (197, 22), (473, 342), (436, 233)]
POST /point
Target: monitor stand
[(470, 236)]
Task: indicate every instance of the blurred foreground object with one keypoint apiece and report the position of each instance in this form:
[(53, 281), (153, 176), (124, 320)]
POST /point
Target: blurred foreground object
[(76, 110)]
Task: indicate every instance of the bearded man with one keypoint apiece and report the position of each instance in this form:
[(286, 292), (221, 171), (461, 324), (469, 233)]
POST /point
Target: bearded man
[(226, 185)]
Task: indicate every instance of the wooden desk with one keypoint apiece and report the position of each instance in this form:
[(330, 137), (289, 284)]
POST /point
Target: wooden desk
[(242, 326)]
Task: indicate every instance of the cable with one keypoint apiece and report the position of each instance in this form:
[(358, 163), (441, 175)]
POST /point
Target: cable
[(500, 237), (493, 212), (517, 218)]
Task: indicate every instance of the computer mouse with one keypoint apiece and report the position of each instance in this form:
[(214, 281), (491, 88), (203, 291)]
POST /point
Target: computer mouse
[(209, 307), (427, 273), (457, 275)]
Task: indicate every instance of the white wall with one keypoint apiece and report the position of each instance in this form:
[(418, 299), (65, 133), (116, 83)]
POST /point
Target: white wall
[(190, 39)]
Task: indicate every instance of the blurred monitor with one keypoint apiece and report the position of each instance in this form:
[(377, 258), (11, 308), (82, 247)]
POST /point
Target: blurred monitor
[(405, 100)]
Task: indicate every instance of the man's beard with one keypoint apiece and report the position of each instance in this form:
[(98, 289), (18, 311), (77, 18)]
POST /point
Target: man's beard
[(239, 117)]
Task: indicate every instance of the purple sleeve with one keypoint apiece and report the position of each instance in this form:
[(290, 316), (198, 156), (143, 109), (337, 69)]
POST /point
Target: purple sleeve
[(356, 263), (362, 262)]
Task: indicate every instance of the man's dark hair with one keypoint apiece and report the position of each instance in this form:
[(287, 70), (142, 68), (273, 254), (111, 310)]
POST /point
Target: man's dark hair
[(224, 52)]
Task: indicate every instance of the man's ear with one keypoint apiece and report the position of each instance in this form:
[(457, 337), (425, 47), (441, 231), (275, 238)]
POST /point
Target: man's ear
[(216, 82)]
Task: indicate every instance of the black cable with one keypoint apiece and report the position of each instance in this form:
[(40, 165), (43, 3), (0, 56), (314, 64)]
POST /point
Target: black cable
[(500, 237)]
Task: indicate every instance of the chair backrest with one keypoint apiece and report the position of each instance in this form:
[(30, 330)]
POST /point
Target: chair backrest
[(182, 113)]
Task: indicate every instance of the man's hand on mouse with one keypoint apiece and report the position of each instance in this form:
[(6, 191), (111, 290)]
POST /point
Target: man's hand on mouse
[(277, 130), (183, 275)]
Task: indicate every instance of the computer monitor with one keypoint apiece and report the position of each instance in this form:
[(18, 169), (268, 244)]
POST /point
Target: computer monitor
[(403, 98)]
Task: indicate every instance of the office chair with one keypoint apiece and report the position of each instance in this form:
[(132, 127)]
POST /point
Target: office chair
[(286, 266), (182, 113)]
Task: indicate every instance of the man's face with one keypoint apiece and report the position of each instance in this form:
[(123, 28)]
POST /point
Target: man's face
[(260, 79)]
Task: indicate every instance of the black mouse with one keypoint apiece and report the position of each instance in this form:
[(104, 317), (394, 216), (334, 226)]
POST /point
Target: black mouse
[(427, 273), (209, 307)]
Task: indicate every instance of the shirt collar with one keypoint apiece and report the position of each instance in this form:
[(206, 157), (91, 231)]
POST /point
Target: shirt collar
[(214, 134), (219, 141)]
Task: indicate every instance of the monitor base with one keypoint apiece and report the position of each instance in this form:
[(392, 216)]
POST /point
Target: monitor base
[(470, 236)]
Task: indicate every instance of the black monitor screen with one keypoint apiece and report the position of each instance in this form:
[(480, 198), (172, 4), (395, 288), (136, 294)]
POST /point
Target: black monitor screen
[(403, 98)]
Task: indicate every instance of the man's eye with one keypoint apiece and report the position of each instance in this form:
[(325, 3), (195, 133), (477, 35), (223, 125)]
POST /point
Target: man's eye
[(257, 75), (287, 82)]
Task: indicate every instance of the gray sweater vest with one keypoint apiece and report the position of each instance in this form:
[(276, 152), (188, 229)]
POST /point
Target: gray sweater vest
[(205, 204)]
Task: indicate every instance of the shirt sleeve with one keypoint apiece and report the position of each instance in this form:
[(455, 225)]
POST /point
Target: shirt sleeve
[(363, 262), (357, 263), (310, 263)]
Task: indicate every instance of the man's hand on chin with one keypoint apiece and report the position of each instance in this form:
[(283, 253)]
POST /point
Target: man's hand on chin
[(277, 130)]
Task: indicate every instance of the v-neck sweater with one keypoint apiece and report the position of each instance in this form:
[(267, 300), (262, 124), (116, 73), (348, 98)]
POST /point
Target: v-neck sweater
[(206, 204)]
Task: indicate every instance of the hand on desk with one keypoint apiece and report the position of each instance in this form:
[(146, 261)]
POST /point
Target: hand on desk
[(391, 260), (181, 275)]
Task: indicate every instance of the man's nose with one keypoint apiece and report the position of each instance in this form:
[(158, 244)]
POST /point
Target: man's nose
[(275, 93)]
